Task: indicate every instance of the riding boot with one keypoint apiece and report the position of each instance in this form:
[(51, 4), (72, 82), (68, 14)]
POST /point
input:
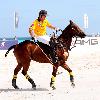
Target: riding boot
[(53, 54)]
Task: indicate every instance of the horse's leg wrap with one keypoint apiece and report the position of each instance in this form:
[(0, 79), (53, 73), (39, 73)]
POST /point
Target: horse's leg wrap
[(14, 76), (31, 81), (14, 82), (52, 83), (72, 79), (71, 76)]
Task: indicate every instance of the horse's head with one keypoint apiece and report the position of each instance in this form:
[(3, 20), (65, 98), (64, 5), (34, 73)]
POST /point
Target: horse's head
[(72, 30), (75, 30)]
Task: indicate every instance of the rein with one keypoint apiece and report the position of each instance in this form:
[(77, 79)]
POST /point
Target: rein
[(60, 41), (74, 43), (37, 46)]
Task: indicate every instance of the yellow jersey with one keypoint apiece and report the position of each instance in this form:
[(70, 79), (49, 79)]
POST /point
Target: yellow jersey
[(39, 27)]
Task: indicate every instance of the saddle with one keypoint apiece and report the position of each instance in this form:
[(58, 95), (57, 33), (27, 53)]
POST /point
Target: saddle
[(49, 50), (46, 48)]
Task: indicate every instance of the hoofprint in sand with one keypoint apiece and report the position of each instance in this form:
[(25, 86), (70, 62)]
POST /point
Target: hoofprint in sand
[(84, 60)]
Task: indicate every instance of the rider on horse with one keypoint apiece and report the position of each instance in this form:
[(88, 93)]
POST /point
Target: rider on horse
[(37, 31)]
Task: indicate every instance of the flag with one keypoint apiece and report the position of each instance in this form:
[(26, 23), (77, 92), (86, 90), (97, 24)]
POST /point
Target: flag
[(16, 20), (85, 21)]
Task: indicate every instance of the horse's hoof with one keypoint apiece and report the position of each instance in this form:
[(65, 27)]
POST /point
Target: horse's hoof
[(53, 88), (73, 85), (34, 88), (14, 84), (16, 87)]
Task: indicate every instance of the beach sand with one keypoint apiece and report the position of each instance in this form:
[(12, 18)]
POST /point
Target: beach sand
[(84, 60)]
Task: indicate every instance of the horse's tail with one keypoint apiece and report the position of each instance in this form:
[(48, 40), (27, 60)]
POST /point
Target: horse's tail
[(9, 50)]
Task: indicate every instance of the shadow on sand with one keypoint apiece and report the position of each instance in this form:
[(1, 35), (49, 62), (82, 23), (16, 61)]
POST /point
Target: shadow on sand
[(28, 89)]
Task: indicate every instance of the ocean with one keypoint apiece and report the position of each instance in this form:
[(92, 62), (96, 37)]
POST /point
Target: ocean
[(20, 39)]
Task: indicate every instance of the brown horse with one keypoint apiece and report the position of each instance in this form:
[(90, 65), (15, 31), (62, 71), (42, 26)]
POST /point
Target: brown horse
[(28, 50)]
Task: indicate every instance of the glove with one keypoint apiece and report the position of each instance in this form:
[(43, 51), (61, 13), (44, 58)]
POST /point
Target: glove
[(57, 29), (33, 39)]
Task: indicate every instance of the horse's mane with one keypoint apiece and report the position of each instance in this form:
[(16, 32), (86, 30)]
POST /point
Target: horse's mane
[(66, 37), (65, 33)]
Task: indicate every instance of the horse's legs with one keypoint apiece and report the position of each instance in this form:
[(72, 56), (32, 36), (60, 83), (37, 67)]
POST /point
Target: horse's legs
[(24, 72), (52, 83), (66, 67), (17, 69)]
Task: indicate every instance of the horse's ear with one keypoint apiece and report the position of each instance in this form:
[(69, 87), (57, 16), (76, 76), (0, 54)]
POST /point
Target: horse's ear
[(71, 21)]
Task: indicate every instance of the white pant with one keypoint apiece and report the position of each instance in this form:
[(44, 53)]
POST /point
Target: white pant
[(44, 39)]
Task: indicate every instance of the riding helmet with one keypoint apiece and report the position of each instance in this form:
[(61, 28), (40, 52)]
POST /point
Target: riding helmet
[(43, 12)]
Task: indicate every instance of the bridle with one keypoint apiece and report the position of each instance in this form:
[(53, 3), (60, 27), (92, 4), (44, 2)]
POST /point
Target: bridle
[(74, 43), (73, 37)]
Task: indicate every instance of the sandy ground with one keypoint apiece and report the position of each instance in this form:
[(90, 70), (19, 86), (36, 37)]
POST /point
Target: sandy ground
[(84, 60)]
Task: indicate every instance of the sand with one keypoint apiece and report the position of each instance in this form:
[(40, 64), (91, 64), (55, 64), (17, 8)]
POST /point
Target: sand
[(84, 60)]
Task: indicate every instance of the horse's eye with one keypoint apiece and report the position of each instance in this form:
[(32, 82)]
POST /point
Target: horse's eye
[(72, 28)]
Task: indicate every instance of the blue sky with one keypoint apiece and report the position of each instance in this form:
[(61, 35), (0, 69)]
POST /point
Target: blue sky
[(59, 14)]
